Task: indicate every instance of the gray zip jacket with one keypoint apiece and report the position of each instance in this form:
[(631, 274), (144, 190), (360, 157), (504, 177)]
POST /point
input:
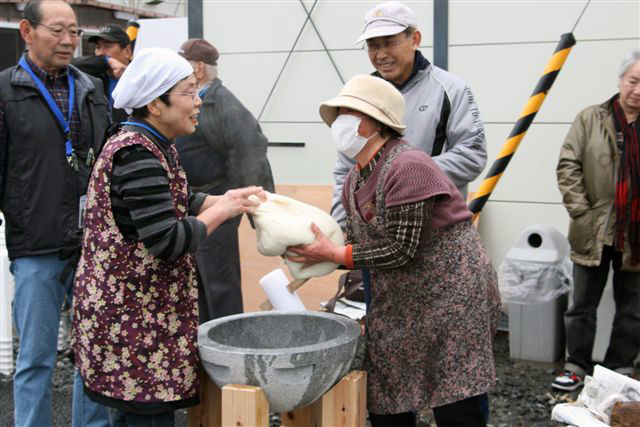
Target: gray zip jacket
[(443, 120)]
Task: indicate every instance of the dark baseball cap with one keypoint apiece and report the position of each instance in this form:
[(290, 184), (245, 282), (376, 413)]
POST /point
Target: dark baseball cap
[(111, 33), (199, 50)]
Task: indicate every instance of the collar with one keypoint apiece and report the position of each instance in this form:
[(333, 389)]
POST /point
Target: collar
[(365, 171), (419, 64), (163, 142), (43, 75)]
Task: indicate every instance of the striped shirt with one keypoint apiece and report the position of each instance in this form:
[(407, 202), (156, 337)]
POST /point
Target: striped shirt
[(143, 207)]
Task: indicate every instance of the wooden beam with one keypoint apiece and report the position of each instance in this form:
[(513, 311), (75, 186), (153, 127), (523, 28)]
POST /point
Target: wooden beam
[(209, 412), (344, 405), (244, 406)]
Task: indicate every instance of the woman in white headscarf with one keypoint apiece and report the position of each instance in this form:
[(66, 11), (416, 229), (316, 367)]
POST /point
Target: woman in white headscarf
[(135, 294)]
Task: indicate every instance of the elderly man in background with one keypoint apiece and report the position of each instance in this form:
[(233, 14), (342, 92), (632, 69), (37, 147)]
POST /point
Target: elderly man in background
[(442, 117), (228, 150), (113, 53), (599, 178), (52, 122)]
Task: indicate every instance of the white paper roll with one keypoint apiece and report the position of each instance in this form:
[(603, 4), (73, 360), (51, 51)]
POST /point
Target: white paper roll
[(275, 286)]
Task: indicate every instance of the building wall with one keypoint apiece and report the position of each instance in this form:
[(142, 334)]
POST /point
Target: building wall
[(499, 48)]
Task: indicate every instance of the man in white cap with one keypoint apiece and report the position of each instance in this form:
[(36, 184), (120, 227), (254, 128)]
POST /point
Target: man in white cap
[(441, 116)]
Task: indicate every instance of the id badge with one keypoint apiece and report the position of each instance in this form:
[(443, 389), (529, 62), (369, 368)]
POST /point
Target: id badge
[(82, 207)]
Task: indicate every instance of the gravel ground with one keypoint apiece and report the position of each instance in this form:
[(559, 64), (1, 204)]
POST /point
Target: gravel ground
[(522, 397)]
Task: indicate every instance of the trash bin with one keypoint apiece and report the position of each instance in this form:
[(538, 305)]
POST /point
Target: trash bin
[(534, 279)]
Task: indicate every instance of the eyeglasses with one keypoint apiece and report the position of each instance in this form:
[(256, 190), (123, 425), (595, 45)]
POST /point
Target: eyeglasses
[(386, 44), (190, 94), (58, 32)]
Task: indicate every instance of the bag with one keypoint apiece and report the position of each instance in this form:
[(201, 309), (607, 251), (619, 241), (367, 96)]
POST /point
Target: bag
[(350, 286)]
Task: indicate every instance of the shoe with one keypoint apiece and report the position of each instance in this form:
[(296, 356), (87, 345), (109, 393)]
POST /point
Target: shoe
[(567, 381)]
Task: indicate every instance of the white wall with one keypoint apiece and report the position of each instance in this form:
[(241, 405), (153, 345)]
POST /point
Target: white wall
[(499, 47)]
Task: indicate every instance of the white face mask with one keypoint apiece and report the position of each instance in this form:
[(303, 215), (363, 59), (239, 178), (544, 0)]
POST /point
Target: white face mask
[(345, 134)]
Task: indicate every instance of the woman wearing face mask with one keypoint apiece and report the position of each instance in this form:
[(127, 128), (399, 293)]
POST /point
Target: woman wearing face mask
[(434, 299), (135, 315)]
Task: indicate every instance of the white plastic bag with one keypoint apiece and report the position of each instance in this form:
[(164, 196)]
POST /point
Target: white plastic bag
[(529, 282)]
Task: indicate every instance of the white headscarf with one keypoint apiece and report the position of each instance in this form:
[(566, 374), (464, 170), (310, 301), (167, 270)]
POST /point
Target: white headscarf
[(152, 72)]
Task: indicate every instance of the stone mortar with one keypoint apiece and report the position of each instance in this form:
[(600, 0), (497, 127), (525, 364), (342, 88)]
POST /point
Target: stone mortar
[(295, 357)]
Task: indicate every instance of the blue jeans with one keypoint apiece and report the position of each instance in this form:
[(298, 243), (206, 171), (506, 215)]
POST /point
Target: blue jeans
[(36, 313)]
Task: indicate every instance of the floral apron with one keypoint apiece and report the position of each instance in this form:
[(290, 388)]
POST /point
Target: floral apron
[(430, 323), (135, 316)]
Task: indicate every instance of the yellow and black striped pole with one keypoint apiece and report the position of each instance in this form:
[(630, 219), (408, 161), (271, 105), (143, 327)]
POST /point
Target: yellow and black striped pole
[(567, 41)]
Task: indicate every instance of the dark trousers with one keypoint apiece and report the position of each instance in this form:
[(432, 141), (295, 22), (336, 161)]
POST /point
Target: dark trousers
[(120, 418), (580, 319), (218, 261), (464, 413)]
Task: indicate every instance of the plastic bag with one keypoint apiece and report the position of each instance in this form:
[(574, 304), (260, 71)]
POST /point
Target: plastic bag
[(529, 282)]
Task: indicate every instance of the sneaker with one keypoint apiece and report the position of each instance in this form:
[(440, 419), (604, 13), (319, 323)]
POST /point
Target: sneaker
[(567, 381)]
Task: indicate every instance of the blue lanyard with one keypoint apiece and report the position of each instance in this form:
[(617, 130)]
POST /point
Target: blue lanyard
[(65, 124), (150, 129)]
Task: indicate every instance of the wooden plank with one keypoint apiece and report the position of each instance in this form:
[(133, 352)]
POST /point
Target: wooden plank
[(244, 406), (209, 412), (343, 406)]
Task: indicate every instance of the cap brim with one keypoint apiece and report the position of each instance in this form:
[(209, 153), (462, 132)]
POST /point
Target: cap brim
[(381, 31), (329, 111), (106, 37)]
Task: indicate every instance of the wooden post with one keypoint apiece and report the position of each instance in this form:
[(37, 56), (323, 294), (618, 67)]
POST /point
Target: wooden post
[(209, 412), (244, 406), (342, 406)]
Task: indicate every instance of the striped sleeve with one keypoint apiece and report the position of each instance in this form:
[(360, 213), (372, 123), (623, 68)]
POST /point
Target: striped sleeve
[(143, 207), (405, 225)]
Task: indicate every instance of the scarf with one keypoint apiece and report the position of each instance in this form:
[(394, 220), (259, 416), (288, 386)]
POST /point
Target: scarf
[(627, 192)]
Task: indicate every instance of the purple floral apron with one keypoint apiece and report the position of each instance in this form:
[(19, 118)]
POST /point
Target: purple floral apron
[(135, 316)]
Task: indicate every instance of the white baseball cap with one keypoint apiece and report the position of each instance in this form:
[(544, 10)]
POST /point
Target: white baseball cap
[(387, 19)]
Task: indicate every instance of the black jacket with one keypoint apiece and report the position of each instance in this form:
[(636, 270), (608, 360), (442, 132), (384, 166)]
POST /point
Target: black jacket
[(228, 149), (39, 191), (97, 66)]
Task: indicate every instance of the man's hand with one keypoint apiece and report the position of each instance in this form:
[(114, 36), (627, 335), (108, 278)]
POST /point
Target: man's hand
[(117, 67)]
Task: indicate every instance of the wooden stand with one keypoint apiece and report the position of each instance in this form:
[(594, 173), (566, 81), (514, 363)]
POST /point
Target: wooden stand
[(246, 406)]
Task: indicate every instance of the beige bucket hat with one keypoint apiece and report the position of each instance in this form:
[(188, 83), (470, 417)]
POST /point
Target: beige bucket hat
[(372, 96)]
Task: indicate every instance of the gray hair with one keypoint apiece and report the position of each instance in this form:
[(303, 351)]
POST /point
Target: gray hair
[(630, 59), (211, 71)]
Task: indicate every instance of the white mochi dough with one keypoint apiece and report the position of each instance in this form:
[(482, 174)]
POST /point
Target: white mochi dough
[(282, 221)]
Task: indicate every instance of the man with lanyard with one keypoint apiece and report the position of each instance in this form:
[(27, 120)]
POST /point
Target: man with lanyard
[(52, 121), (113, 53), (228, 150)]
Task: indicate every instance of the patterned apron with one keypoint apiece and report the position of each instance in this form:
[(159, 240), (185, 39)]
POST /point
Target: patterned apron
[(430, 323), (135, 316)]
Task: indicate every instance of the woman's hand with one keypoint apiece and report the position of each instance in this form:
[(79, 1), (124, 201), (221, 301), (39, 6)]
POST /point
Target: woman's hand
[(321, 250), (236, 202), (232, 203)]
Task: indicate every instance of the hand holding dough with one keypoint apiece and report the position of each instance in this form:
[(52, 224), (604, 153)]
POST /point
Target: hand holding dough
[(282, 222)]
